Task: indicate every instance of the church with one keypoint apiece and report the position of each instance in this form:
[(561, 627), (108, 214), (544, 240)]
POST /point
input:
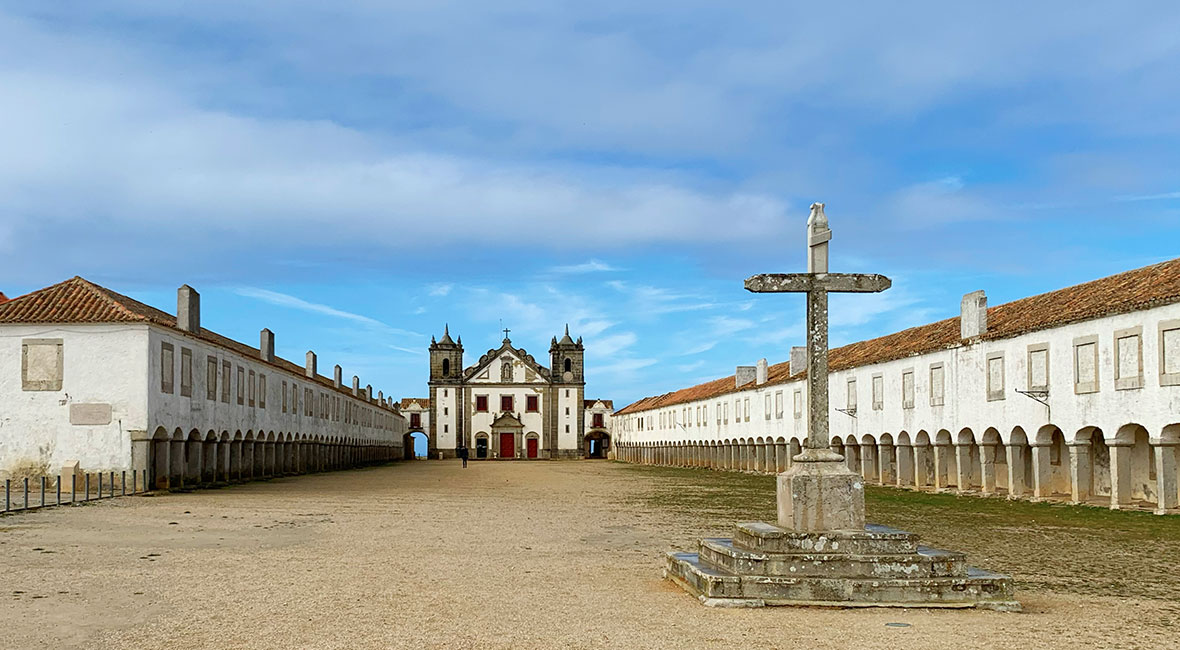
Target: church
[(508, 406)]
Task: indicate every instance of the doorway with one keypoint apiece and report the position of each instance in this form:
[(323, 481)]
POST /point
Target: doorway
[(531, 444), (481, 447), (507, 445)]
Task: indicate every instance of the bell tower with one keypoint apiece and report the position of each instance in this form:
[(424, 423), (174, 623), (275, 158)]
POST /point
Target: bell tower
[(566, 358), (446, 396)]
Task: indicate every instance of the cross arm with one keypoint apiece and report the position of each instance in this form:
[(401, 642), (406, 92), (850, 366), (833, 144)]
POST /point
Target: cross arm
[(804, 282)]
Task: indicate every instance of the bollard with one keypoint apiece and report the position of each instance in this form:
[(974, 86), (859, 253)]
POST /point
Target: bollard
[(123, 484), (7, 492), (100, 485), (26, 504), (86, 497), (73, 488), (42, 504), (59, 489), (112, 483)]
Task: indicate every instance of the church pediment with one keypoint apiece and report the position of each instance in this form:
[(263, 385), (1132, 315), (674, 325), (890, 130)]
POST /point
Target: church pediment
[(507, 365), (507, 421)]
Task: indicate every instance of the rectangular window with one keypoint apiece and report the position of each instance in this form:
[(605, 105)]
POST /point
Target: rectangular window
[(532, 403), (186, 372), (704, 415), (778, 405), (481, 403), (717, 410), (766, 405), (1169, 352), (598, 421), (907, 389), (850, 397), (878, 392), (167, 367), (937, 384), (1128, 367), (261, 391), (294, 399), (241, 386), (697, 422), (725, 416), (41, 365), (567, 428), (446, 428), (416, 420), (250, 397), (506, 403), (308, 402), (746, 408), (284, 397), (211, 378), (1038, 367), (1085, 364), (227, 370), (995, 376), (798, 404)]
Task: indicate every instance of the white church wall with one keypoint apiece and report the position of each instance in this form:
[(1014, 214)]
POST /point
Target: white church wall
[(569, 403), (448, 414), (102, 397)]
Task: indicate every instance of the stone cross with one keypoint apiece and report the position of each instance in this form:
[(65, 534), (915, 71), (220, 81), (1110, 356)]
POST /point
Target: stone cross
[(817, 283)]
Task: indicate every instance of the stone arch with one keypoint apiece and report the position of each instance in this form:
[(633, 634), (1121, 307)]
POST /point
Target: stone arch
[(967, 460), (903, 452), (1090, 472), (945, 469), (482, 445), (796, 448), (869, 457), (161, 452), (1053, 468), (886, 459), (852, 453), (532, 446), (1019, 463), (781, 459), (210, 458), (923, 460)]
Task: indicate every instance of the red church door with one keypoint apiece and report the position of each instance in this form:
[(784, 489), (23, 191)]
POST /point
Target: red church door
[(507, 445), (532, 443)]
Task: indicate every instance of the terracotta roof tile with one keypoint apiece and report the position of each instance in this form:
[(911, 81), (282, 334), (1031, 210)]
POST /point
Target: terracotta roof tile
[(424, 402), (1150, 286)]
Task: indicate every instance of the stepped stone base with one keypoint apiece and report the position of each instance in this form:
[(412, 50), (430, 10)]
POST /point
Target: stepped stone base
[(764, 565)]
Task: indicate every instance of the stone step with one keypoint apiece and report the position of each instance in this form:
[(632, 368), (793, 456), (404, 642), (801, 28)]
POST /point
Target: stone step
[(925, 562), (720, 588), (875, 539)]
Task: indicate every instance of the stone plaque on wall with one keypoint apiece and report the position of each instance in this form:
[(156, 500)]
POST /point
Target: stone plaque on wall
[(90, 414)]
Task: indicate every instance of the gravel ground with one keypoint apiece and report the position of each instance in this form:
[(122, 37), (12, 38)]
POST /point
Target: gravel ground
[(428, 555)]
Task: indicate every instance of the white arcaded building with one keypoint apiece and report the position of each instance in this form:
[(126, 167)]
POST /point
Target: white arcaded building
[(91, 376), (1073, 394)]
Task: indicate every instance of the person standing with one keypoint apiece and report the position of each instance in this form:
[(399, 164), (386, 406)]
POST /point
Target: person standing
[(463, 455)]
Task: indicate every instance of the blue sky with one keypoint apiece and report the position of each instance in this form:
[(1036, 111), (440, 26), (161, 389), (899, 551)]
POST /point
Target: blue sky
[(354, 175)]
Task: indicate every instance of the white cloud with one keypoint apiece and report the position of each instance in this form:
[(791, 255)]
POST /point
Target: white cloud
[(591, 266), (440, 289), (285, 300)]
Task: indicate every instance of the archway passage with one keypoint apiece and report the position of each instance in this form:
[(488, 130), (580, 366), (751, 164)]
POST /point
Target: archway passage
[(597, 444), (414, 445)]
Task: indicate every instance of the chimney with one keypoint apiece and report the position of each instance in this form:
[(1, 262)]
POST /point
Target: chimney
[(760, 371), (188, 309), (338, 376), (745, 375), (309, 368), (266, 345), (369, 392), (973, 315), (798, 359), (381, 397), (356, 385)]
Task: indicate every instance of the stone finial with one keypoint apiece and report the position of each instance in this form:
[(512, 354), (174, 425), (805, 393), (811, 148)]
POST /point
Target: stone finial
[(973, 315), (266, 345), (188, 309), (744, 375), (338, 376), (818, 235), (309, 368), (761, 371), (798, 359)]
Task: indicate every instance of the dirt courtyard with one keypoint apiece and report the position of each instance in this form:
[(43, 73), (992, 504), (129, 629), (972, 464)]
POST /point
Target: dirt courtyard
[(428, 555)]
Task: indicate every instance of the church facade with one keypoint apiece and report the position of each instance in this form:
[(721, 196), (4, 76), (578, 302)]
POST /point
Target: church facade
[(507, 405)]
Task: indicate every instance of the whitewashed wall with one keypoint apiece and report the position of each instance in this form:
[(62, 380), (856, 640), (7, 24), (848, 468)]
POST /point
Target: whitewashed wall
[(966, 405), (101, 364)]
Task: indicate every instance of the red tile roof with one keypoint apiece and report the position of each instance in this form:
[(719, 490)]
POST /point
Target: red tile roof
[(78, 300), (606, 402), (1150, 286), (423, 402), (3, 298)]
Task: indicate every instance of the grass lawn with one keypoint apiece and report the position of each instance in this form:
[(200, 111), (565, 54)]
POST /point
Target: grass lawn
[(1044, 546)]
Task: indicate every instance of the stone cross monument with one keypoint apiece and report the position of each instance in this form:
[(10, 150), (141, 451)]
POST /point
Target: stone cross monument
[(822, 552), (819, 492)]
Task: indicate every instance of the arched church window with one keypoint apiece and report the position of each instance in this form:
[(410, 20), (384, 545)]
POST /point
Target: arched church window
[(506, 371), (446, 367), (569, 365)]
